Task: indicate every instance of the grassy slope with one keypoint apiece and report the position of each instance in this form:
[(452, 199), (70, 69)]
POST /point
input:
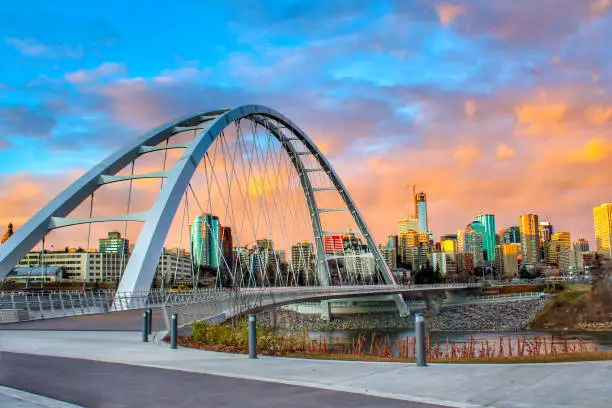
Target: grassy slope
[(566, 309)]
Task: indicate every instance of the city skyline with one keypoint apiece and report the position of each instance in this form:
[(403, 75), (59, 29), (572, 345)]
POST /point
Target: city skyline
[(524, 128)]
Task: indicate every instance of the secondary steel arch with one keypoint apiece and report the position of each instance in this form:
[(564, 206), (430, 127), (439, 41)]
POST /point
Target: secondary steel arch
[(141, 267)]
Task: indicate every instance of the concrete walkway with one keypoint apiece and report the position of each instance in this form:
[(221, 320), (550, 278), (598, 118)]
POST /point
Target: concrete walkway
[(460, 385), (11, 398)]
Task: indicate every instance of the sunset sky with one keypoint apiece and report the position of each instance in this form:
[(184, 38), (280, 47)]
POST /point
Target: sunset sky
[(501, 107)]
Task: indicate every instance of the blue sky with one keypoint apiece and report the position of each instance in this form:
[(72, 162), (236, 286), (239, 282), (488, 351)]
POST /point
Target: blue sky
[(495, 106)]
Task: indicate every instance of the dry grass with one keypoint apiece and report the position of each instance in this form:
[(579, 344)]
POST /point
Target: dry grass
[(559, 358), (501, 349)]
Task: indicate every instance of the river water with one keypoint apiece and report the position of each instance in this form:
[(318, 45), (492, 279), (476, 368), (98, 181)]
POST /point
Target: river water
[(603, 340)]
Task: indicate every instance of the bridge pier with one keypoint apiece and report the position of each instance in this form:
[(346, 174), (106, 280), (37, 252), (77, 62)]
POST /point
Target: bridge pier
[(325, 310), (433, 302)]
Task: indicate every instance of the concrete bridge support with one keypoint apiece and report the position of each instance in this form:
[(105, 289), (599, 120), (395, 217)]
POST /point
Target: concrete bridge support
[(325, 310), (433, 302)]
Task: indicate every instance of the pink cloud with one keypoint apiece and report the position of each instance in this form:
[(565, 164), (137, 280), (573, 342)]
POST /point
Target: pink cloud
[(105, 70), (447, 12)]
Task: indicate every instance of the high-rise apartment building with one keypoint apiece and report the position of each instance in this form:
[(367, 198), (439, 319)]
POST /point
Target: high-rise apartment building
[(408, 224), (511, 252), (389, 254), (546, 231), (421, 204), (530, 238), (302, 258), (511, 235), (409, 239), (582, 245), (265, 243), (227, 248), (551, 252), (448, 246), (472, 244), (571, 262), (114, 244), (488, 235), (602, 217), (563, 239), (393, 241), (465, 264), (205, 240), (333, 244), (460, 235)]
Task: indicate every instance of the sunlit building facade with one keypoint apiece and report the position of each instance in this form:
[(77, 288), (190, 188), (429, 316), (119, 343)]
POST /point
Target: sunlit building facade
[(602, 217), (530, 238), (563, 239), (421, 204), (488, 235), (407, 224), (205, 240), (511, 235)]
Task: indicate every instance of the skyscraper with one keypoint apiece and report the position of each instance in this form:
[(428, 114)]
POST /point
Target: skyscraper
[(226, 247), (421, 203), (512, 235), (602, 217), (333, 244), (582, 245), (472, 244), (303, 261), (488, 235), (563, 239), (546, 231), (530, 238), (205, 240), (407, 224)]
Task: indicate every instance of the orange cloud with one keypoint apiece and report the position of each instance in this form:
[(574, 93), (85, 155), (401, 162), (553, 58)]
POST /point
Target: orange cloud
[(470, 108), (466, 155), (540, 120), (505, 152), (598, 115), (447, 12), (597, 7), (595, 150)]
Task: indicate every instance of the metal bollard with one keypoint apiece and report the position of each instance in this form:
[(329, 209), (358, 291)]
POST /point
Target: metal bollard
[(145, 327), (252, 336), (173, 333), (150, 312), (419, 326)]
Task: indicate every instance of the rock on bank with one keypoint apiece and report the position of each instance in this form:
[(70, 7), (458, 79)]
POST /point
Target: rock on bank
[(511, 315)]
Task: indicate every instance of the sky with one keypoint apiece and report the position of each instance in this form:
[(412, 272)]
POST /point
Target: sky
[(489, 107)]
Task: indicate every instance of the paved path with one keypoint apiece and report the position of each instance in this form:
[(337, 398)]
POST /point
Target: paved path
[(497, 385), (98, 384), (130, 320), (11, 398)]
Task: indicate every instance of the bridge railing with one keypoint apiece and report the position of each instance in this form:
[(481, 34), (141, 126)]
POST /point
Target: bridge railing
[(218, 306), (23, 306), (201, 304)]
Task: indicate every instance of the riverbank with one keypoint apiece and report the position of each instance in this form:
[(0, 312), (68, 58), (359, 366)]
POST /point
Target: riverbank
[(576, 307), (509, 316)]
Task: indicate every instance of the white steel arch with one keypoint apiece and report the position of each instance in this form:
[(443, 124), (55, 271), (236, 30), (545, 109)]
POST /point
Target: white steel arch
[(141, 267)]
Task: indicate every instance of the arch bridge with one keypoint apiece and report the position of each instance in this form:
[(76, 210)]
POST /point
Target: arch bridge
[(271, 196)]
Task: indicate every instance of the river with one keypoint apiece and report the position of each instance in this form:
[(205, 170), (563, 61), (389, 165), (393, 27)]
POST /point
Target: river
[(602, 339)]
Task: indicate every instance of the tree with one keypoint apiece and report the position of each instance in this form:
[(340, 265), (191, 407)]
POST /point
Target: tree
[(524, 273)]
